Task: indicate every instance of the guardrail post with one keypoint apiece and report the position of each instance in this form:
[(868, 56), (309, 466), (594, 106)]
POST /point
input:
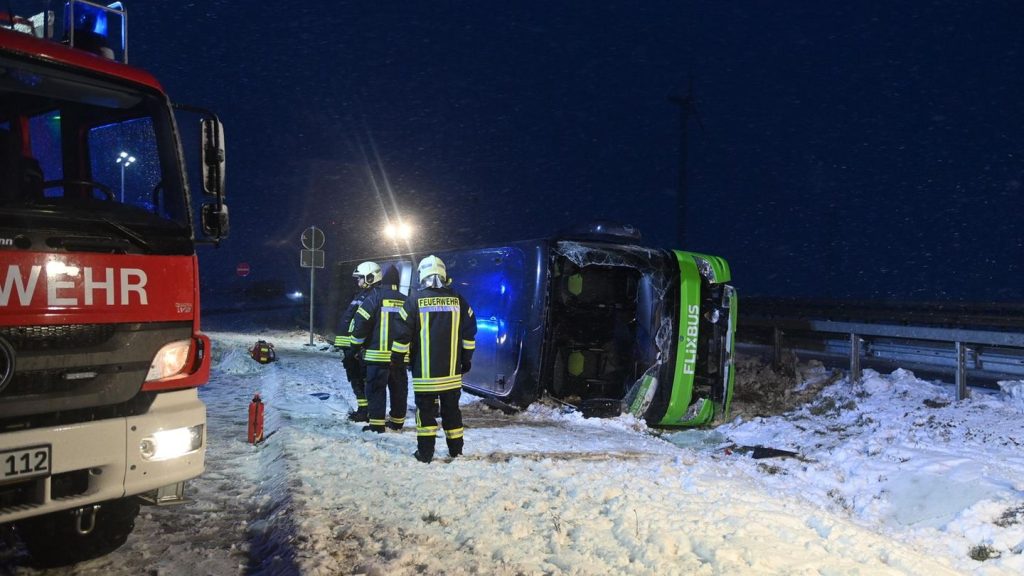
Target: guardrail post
[(777, 348), (961, 371), (855, 343)]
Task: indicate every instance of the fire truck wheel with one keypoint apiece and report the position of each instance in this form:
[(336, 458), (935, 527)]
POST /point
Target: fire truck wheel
[(53, 540)]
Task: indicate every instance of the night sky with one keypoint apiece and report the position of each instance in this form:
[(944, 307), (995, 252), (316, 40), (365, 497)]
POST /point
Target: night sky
[(839, 150)]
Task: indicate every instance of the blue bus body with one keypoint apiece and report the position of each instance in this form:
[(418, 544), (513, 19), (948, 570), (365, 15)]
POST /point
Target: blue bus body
[(606, 325)]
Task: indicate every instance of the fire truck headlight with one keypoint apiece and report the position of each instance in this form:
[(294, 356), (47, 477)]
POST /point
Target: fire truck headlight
[(170, 360), (167, 444)]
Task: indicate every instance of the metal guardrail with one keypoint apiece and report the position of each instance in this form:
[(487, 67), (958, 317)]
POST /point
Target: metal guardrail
[(983, 341)]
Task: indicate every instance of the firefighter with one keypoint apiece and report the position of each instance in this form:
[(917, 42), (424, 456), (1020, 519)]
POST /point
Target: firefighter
[(439, 333), (376, 322), (366, 275)]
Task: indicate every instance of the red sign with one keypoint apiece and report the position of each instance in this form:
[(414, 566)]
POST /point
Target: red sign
[(38, 288), (242, 269)]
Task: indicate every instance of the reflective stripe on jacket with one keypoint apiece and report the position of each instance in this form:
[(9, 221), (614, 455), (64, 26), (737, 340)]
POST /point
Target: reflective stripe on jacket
[(376, 321), (439, 328), (344, 340)]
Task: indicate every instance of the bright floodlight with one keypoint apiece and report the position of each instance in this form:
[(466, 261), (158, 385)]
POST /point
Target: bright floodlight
[(124, 158), (400, 231), (404, 231)]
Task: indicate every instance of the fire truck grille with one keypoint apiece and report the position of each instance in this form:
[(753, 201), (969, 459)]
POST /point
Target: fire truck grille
[(38, 383), (79, 367), (57, 381), (62, 337)]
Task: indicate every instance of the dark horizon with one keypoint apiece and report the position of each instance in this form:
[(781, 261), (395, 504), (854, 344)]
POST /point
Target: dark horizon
[(863, 152)]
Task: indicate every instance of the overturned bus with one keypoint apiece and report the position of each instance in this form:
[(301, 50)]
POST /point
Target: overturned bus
[(595, 320)]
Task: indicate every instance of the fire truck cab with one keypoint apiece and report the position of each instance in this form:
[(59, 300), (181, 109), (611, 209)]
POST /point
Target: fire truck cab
[(101, 352)]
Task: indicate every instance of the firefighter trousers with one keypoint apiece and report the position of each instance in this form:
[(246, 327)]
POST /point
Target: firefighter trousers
[(381, 383), (355, 371), (428, 404)]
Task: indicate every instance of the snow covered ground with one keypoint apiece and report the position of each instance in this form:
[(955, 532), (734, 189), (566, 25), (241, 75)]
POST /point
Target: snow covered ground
[(891, 475)]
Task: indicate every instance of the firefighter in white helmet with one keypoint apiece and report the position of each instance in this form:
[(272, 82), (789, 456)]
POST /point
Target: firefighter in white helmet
[(439, 334), (366, 275), (376, 322)]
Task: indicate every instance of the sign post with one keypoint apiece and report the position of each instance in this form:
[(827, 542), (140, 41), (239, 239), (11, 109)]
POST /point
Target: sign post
[(312, 257)]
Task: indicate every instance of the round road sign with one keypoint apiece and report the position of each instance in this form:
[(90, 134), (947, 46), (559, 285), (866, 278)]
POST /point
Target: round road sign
[(242, 269), (313, 238)]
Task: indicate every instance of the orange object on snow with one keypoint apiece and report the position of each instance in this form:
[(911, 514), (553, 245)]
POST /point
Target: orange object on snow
[(256, 420)]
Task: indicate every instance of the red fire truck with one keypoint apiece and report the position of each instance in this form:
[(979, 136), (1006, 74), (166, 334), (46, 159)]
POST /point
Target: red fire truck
[(100, 348)]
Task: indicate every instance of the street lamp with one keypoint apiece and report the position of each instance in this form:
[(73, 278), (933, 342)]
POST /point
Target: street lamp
[(125, 160)]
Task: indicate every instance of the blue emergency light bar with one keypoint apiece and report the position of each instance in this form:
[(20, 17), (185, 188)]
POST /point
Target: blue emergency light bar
[(87, 26)]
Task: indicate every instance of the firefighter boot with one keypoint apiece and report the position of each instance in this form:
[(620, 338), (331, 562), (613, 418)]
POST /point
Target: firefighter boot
[(361, 413), (455, 447), (424, 449), (374, 428)]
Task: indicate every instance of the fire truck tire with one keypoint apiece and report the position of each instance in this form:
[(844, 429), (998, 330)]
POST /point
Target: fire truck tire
[(53, 540)]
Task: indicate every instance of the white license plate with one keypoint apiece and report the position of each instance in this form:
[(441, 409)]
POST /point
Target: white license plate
[(24, 463)]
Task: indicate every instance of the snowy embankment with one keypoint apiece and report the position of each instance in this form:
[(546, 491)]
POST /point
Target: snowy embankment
[(890, 476)]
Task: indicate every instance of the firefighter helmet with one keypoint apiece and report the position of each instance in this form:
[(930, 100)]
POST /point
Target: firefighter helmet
[(367, 273), (432, 272)]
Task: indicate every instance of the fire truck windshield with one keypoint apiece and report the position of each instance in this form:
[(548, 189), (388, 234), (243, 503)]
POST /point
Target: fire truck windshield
[(84, 156)]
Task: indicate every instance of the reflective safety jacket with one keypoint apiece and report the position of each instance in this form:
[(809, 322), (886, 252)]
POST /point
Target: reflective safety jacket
[(376, 321), (439, 333), (344, 339)]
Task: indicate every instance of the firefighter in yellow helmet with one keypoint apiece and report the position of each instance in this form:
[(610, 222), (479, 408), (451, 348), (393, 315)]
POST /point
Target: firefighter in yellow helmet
[(439, 333), (366, 275)]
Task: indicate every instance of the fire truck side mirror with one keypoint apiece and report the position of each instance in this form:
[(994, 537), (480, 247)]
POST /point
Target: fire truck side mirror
[(213, 158), (215, 220)]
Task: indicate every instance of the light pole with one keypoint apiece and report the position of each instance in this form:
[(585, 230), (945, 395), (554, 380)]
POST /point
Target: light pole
[(125, 160)]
